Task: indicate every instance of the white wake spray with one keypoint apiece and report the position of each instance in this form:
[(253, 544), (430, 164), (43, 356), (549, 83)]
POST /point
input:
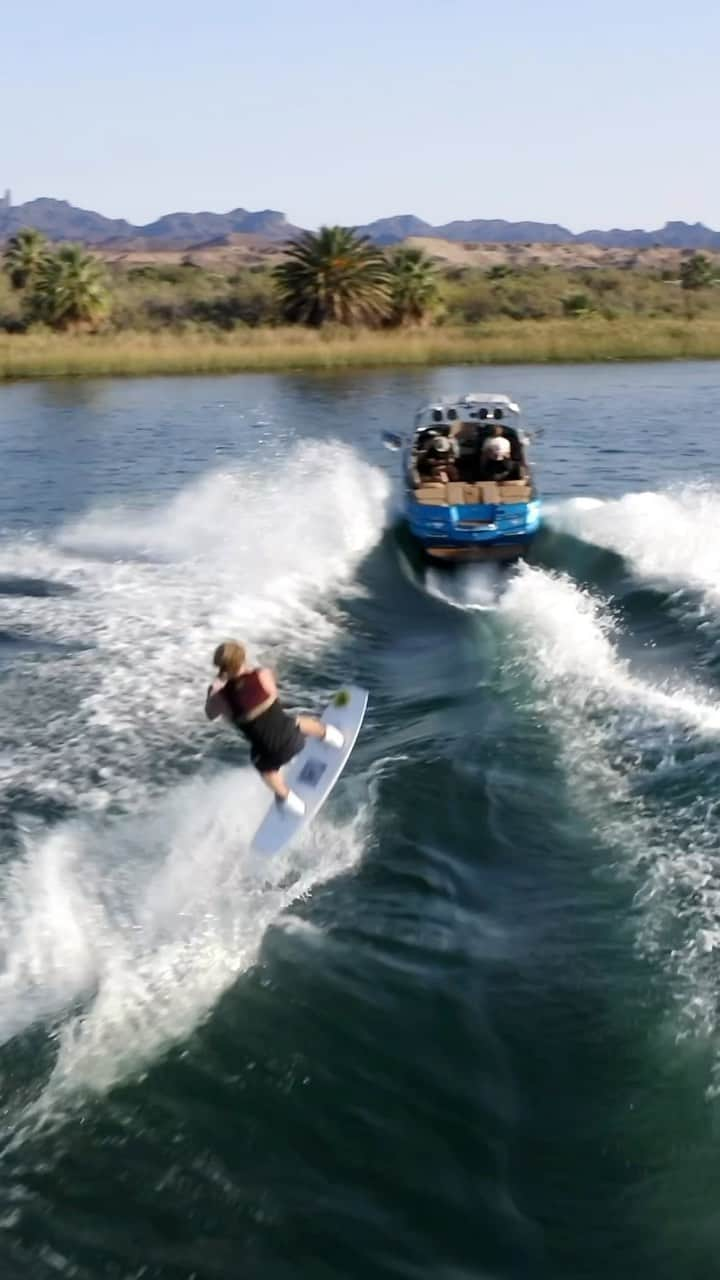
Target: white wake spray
[(620, 737), (122, 926), (472, 587), (670, 538), (233, 554)]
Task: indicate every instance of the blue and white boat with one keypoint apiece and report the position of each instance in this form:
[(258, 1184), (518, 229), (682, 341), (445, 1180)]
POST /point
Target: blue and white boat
[(473, 508)]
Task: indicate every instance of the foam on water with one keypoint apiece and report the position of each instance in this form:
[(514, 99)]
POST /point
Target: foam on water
[(155, 589), (124, 934), (672, 538), (121, 925), (570, 644), (624, 738), (471, 587)]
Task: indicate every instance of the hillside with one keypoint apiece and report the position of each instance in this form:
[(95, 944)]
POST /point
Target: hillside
[(232, 253), (60, 220), (571, 256)]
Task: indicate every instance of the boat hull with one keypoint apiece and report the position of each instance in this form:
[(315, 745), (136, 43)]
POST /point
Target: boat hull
[(474, 531), (464, 555)]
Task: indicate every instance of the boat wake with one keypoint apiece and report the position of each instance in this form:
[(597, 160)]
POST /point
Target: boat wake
[(119, 714), (472, 587), (642, 757), (129, 899), (641, 753), (122, 935), (668, 539)]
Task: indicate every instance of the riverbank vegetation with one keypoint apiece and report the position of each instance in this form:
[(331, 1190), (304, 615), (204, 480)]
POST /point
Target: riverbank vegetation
[(38, 354), (333, 300)]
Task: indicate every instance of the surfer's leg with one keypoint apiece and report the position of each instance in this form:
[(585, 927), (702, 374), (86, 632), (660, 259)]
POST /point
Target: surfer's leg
[(284, 796), (314, 728), (277, 784), (311, 727)]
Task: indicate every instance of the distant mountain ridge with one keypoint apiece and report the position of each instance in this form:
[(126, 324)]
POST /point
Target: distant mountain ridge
[(60, 220), (674, 235)]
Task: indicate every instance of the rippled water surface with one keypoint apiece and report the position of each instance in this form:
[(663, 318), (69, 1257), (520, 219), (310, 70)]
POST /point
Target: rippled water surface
[(467, 1028)]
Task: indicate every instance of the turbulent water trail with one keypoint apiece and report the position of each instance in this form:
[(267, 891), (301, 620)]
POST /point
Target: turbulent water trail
[(671, 538), (123, 922), (153, 590), (641, 757), (641, 753), (476, 587), (125, 934)]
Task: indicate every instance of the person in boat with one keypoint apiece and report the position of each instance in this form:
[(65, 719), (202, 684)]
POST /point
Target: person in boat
[(495, 461), (463, 436), (248, 697), (436, 463)]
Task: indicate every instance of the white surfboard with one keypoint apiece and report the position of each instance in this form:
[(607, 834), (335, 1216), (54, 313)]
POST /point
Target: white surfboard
[(313, 773)]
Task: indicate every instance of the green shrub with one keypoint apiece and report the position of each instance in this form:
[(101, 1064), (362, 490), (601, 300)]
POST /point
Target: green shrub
[(576, 304)]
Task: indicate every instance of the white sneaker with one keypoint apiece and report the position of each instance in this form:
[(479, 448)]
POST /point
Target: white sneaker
[(333, 736), (292, 804)]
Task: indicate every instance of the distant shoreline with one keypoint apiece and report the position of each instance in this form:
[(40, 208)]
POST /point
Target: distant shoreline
[(571, 340)]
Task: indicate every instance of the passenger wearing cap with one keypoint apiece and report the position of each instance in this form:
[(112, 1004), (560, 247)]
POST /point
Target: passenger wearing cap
[(437, 462)]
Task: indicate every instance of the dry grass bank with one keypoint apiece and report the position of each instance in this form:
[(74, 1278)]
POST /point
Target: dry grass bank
[(35, 355)]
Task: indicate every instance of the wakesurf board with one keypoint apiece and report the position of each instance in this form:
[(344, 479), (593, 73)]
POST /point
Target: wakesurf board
[(313, 772)]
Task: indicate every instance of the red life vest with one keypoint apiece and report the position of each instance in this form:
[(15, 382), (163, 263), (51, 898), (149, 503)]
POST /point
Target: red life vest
[(245, 694)]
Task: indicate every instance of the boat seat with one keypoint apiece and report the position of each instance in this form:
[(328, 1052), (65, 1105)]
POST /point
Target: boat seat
[(514, 490), (456, 493), (432, 494), (486, 492)]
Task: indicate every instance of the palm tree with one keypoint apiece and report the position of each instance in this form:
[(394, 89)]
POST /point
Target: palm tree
[(414, 285), (333, 275), (69, 289), (23, 256)]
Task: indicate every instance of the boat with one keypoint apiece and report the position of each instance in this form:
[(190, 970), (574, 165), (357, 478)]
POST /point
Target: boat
[(456, 514)]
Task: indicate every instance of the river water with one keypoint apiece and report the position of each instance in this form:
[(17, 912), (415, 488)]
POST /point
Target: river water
[(468, 1027)]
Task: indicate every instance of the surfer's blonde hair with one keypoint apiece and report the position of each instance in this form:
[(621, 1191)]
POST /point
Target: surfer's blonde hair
[(229, 657)]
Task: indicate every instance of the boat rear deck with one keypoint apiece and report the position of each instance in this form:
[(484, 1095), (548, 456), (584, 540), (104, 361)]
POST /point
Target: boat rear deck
[(484, 493)]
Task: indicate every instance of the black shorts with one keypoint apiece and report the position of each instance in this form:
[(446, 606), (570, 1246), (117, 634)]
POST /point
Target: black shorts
[(274, 739), (269, 762)]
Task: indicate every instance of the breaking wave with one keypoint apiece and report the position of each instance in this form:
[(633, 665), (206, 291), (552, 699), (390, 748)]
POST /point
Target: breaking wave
[(671, 539)]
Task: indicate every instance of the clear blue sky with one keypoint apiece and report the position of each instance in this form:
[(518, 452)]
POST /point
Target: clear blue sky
[(590, 115)]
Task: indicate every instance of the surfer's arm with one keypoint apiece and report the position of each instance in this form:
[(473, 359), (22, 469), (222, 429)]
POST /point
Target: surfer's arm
[(267, 680), (215, 704)]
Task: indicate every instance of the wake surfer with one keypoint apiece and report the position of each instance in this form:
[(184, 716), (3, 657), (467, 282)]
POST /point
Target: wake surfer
[(248, 698)]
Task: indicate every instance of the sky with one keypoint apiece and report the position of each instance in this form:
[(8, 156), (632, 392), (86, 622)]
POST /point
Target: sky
[(588, 115)]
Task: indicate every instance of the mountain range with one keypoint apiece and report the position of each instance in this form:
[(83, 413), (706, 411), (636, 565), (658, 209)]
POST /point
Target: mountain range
[(60, 220)]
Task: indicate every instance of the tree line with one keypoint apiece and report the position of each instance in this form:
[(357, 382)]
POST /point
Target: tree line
[(333, 276), (330, 277)]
